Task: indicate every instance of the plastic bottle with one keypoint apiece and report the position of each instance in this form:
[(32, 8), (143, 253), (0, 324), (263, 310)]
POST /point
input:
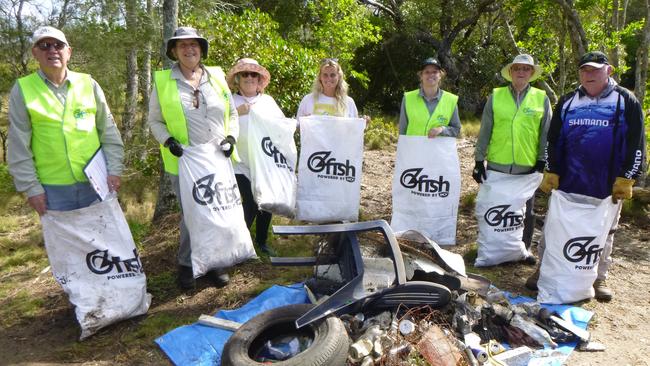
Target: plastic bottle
[(538, 334)]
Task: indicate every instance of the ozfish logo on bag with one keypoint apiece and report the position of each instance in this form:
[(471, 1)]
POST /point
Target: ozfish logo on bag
[(500, 216), (221, 197), (100, 262), (421, 185), (270, 150), (329, 168), (581, 249)]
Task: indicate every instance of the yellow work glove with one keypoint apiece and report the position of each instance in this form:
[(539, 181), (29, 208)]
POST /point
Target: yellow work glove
[(622, 189), (550, 182)]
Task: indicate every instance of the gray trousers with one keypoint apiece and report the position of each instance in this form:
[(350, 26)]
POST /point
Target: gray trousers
[(605, 256), (184, 249)]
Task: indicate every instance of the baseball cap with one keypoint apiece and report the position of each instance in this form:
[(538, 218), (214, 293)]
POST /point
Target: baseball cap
[(595, 59), (431, 61), (48, 32)]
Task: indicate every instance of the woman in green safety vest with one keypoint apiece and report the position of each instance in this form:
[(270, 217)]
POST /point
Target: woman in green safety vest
[(512, 137), (190, 105), (429, 110)]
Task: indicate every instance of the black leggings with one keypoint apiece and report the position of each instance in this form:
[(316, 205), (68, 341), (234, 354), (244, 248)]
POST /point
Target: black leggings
[(251, 211)]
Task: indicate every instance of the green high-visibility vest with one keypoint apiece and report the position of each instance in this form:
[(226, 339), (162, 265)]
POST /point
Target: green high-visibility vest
[(172, 109), (418, 114), (64, 137), (515, 134)]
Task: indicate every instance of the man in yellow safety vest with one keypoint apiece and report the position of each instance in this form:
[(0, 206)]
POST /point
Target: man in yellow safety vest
[(57, 120)]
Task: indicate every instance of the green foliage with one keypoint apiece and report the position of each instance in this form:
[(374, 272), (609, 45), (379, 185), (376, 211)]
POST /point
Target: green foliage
[(162, 285), (6, 181), (380, 132), (19, 306), (470, 127), (254, 34)]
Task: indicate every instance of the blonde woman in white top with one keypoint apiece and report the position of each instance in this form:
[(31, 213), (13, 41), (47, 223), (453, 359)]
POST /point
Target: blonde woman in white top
[(329, 94)]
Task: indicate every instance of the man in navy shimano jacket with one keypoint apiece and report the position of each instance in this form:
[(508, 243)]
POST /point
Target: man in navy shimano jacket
[(596, 146)]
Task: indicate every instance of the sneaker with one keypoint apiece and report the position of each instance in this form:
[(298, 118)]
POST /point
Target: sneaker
[(529, 260), (267, 249), (219, 277), (602, 292), (186, 278), (531, 282)]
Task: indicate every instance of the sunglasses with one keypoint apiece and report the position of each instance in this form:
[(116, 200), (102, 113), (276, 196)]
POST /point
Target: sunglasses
[(196, 98), (521, 68), (45, 46), (246, 74), (329, 60)]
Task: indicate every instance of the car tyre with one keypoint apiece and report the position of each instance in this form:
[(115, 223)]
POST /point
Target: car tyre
[(329, 347)]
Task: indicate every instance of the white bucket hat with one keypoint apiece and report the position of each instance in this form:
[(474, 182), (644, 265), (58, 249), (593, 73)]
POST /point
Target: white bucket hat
[(523, 59), (48, 32)]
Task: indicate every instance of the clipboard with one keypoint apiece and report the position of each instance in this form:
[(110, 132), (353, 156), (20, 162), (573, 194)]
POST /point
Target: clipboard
[(97, 174)]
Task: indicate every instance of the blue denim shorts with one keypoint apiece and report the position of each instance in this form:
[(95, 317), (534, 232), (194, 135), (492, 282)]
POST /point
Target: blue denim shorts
[(71, 197)]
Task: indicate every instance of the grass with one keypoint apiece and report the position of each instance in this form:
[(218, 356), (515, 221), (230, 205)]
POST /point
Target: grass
[(470, 127)]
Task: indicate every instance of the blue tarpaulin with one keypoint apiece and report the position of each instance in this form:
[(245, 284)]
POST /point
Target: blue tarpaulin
[(197, 344)]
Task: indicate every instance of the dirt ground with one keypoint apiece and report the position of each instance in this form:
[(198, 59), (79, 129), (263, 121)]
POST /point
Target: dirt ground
[(51, 337)]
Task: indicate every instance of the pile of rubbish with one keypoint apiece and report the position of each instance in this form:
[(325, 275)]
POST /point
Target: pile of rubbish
[(468, 322)]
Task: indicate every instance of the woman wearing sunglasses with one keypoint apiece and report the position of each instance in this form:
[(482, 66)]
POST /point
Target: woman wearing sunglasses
[(329, 94), (248, 79), (190, 105)]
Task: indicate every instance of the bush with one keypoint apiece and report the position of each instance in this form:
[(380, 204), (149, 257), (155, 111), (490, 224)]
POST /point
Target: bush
[(6, 182), (381, 131)]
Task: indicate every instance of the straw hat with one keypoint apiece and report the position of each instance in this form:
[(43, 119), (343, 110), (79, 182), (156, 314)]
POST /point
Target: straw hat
[(522, 59), (250, 65)]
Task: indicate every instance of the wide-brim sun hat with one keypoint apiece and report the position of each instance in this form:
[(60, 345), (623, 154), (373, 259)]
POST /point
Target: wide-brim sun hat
[(48, 32), (250, 65), (186, 33), (522, 59)]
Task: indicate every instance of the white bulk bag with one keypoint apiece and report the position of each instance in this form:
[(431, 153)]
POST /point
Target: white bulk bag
[(272, 160), (426, 187), (93, 257), (329, 168), (575, 232), (500, 211), (212, 209)]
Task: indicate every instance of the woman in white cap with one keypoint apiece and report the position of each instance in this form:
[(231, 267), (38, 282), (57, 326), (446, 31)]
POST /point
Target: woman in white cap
[(329, 94), (512, 137), (190, 105), (248, 79), (429, 110)]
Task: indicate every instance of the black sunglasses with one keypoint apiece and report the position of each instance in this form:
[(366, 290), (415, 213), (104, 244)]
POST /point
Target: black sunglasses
[(246, 74), (45, 46), (196, 98)]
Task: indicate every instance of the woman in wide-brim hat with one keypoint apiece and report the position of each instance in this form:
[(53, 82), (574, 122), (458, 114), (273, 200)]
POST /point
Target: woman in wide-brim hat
[(248, 79), (512, 140), (190, 105)]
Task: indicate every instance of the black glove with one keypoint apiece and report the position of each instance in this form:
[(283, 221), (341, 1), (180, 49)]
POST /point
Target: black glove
[(539, 166), (479, 172), (174, 147), (228, 145)]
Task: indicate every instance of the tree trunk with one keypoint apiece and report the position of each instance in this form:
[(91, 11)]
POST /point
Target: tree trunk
[(641, 72), (579, 41), (615, 26), (166, 201), (131, 102)]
